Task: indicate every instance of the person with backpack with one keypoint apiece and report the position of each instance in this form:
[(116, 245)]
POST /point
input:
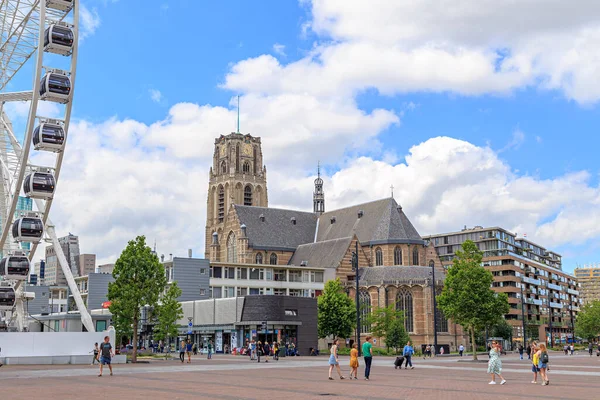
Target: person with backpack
[(408, 353), (543, 360), (267, 351), (521, 351)]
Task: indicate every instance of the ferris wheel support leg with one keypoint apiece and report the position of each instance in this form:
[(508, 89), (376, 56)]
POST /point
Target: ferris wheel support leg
[(86, 319)]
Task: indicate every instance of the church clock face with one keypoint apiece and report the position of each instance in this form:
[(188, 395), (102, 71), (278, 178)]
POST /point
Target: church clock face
[(223, 151), (247, 150)]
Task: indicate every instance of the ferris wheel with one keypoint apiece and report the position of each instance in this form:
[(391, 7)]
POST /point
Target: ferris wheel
[(39, 37)]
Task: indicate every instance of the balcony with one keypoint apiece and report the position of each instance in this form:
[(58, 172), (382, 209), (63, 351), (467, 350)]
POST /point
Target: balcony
[(556, 305), (573, 292), (537, 302), (554, 286), (532, 281)]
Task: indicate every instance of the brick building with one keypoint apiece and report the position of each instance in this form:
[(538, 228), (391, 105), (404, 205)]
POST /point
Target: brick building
[(532, 277), (244, 233), (589, 279)]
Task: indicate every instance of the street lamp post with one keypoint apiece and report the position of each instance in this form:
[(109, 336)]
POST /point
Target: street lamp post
[(434, 309), (550, 322), (356, 275), (523, 317)]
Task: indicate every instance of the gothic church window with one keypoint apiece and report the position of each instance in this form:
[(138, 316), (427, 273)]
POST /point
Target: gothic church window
[(259, 258), (248, 196), (246, 167), (441, 320), (221, 203), (273, 259), (416, 256), (397, 256), (223, 167), (231, 248), (364, 299), (378, 257), (404, 303)]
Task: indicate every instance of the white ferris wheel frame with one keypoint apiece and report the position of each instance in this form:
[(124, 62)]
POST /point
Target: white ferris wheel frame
[(18, 46)]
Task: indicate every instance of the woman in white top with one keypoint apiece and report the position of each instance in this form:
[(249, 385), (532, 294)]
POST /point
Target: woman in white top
[(333, 360)]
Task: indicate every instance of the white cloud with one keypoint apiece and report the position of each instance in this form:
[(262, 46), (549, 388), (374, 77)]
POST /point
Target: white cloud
[(89, 21), (155, 95), (19, 110), (539, 139), (470, 48), (279, 49)]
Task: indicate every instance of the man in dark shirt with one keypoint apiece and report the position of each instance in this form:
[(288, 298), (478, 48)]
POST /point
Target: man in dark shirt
[(105, 354)]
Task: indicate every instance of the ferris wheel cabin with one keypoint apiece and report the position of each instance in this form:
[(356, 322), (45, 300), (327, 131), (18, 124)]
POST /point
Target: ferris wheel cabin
[(63, 5), (8, 298), (55, 87), (49, 137), (39, 185), (28, 229), (15, 268), (58, 39)]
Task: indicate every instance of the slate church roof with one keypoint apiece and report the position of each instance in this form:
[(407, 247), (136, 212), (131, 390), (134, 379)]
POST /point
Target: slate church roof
[(382, 222), (397, 274), (328, 253), (276, 230)]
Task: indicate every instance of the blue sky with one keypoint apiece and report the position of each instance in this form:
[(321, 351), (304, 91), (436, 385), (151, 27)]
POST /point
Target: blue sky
[(498, 120)]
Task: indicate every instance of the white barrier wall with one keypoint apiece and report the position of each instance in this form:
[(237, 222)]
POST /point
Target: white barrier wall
[(51, 344)]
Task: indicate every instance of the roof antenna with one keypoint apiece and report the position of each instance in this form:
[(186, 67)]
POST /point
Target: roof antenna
[(238, 110), (392, 187)]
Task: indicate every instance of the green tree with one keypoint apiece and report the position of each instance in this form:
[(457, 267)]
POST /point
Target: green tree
[(336, 311), (167, 313), (381, 321), (467, 298), (396, 335), (502, 329), (587, 325), (139, 281)]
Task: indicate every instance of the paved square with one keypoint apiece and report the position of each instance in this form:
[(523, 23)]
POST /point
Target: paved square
[(231, 377)]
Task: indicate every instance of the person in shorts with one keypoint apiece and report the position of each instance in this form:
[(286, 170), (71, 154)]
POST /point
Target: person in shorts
[(106, 353)]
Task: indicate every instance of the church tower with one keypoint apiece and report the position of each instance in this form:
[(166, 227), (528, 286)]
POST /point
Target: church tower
[(318, 194), (237, 176)]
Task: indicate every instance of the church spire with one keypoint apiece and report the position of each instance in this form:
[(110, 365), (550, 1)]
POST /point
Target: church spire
[(318, 194)]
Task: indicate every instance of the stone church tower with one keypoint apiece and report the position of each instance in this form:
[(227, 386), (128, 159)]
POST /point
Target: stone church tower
[(237, 176)]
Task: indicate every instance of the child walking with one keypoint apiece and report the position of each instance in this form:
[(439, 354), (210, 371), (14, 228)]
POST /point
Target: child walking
[(354, 361)]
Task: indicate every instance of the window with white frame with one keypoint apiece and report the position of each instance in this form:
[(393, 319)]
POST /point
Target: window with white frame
[(255, 273), (242, 273), (295, 275), (279, 292), (316, 276), (242, 291), (229, 272), (296, 292), (279, 275)]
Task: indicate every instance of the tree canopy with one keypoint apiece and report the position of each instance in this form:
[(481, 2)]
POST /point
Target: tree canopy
[(396, 336), (502, 329), (382, 320), (139, 281), (467, 297), (336, 311), (167, 313), (587, 324)]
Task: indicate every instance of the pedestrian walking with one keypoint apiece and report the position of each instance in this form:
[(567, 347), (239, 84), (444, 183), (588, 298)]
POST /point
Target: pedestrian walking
[(259, 350), (543, 359), (534, 361), (252, 350), (521, 351), (194, 349), (572, 349), (334, 361), (267, 351), (591, 348), (188, 350), (408, 353), (461, 350), (106, 355), (354, 361), (368, 356), (210, 350), (427, 352), (529, 351), (182, 351), (96, 351), (494, 364), (276, 351)]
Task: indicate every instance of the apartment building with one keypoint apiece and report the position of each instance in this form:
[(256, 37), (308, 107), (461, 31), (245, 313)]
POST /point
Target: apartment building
[(589, 279), (539, 292)]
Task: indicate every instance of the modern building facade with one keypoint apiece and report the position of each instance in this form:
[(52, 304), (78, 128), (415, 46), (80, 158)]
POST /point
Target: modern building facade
[(87, 264), (53, 272), (589, 279), (230, 323), (539, 292), (106, 268), (93, 289), (255, 249), (192, 276)]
